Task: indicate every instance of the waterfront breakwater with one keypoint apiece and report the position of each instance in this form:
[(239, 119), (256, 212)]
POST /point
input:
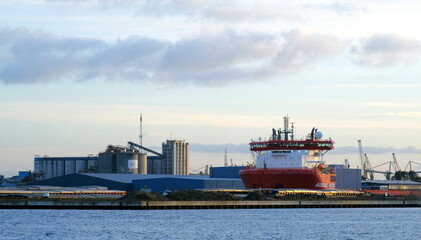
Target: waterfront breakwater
[(151, 205)]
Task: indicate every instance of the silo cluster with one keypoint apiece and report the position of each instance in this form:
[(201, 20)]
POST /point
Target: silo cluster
[(117, 159), (49, 167)]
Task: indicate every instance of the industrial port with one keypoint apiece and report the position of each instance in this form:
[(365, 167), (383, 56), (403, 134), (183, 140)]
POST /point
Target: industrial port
[(120, 171)]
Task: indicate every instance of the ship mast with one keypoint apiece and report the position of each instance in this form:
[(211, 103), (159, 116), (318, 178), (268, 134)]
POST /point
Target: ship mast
[(286, 131)]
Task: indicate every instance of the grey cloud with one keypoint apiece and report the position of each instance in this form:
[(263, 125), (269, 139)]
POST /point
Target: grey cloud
[(224, 58), (385, 50), (302, 49)]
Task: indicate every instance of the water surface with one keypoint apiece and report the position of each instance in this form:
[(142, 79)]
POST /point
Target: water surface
[(359, 223)]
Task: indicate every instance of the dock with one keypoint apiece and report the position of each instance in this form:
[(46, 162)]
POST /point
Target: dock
[(162, 205)]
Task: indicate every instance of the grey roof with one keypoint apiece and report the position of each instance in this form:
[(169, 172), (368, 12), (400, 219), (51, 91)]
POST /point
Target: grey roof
[(128, 178)]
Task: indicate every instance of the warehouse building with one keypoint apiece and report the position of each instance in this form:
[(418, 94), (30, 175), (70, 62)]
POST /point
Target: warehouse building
[(347, 178), (152, 182)]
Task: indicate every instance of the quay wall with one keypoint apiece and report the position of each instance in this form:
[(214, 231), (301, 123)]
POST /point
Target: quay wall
[(151, 205)]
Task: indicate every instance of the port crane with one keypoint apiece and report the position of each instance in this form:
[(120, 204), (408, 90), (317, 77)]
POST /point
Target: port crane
[(410, 166), (395, 164), (365, 164), (368, 171)]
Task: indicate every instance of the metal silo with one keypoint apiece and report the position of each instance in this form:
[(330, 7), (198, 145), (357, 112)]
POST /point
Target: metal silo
[(107, 162), (70, 167), (143, 169), (81, 166), (92, 165), (49, 168), (60, 168), (127, 161)]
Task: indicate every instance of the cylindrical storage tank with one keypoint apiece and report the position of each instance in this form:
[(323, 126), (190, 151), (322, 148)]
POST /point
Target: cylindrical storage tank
[(143, 163), (107, 162), (70, 167), (93, 165), (80, 166), (60, 168), (37, 165), (44, 168), (127, 162), (49, 173)]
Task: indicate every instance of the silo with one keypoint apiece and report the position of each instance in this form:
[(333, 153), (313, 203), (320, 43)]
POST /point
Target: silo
[(107, 162), (44, 168), (60, 168), (49, 168), (127, 162), (81, 166), (143, 169), (92, 165), (37, 165), (70, 166)]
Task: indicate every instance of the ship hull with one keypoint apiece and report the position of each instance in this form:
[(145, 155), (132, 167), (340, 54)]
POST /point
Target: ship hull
[(287, 178)]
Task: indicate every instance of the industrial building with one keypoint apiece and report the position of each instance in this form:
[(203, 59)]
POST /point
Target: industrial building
[(49, 167), (391, 185), (226, 172), (119, 159), (146, 182), (220, 177), (347, 178)]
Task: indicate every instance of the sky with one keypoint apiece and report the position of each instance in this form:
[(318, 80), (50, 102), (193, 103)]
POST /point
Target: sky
[(76, 74)]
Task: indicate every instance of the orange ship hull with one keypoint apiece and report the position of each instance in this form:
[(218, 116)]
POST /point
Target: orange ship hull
[(303, 178)]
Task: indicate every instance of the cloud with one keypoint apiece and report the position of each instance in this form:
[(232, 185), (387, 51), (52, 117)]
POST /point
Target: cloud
[(220, 148), (376, 150), (244, 148), (385, 50), (301, 49), (218, 59), (341, 8), (219, 10)]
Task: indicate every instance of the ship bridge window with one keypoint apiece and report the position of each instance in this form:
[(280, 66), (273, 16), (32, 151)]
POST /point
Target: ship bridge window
[(281, 151)]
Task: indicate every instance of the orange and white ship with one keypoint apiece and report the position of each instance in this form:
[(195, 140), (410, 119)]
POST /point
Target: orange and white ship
[(285, 162)]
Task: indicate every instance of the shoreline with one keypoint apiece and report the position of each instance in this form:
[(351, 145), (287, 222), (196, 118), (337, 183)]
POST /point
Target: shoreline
[(163, 205)]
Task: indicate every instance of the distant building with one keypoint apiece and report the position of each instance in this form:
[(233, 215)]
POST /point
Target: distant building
[(175, 157)]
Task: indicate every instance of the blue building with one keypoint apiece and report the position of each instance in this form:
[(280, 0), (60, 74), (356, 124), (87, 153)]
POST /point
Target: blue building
[(152, 182)]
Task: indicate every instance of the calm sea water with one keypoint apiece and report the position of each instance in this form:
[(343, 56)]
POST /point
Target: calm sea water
[(360, 223)]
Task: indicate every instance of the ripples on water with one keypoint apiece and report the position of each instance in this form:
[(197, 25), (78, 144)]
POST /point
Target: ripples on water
[(373, 223)]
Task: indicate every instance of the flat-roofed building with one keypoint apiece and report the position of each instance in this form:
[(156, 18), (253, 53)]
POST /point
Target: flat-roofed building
[(175, 157)]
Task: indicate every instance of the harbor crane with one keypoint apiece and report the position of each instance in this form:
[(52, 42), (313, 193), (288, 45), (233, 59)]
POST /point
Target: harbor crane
[(410, 166), (395, 164), (365, 164)]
